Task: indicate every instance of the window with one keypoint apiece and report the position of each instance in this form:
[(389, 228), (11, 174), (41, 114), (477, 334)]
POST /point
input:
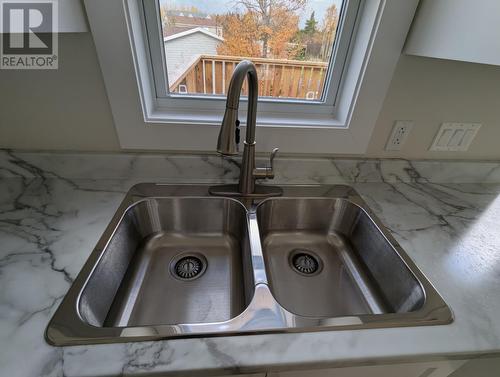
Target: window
[(153, 111), (290, 41), (298, 46)]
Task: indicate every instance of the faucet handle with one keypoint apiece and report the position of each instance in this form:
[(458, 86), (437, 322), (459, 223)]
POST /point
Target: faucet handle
[(271, 159), (268, 171)]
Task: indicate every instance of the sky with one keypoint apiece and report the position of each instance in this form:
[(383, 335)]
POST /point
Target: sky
[(222, 6)]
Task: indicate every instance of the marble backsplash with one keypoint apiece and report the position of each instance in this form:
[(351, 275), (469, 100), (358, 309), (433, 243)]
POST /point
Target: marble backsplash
[(139, 167)]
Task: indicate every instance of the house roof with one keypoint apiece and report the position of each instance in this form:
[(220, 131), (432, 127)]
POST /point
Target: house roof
[(192, 31), (171, 30), (199, 21), (191, 18)]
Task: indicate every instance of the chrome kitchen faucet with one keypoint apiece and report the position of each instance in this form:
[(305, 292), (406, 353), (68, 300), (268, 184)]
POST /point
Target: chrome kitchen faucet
[(229, 138)]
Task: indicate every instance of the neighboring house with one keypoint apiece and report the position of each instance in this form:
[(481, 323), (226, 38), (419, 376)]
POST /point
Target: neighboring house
[(179, 21), (183, 48)]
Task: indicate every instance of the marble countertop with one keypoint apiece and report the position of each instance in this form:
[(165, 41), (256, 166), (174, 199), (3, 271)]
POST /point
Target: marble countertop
[(54, 207)]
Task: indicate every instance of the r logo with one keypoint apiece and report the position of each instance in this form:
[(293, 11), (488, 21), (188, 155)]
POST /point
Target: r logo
[(27, 28)]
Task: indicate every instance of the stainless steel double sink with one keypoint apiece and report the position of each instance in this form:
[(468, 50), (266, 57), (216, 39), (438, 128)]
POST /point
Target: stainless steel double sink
[(177, 262)]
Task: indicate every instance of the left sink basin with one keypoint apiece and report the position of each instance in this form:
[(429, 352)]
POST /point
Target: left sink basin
[(164, 265), (170, 261)]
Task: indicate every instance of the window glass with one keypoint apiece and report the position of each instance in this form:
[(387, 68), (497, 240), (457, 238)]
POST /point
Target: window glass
[(290, 42)]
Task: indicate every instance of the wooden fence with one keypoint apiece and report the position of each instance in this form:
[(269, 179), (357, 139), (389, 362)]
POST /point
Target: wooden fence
[(277, 78)]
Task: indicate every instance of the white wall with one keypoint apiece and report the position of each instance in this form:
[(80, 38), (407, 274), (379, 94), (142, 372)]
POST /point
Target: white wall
[(68, 109), (432, 91), (64, 109), (456, 29)]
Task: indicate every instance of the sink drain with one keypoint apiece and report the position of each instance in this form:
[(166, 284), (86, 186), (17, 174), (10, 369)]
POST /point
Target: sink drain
[(305, 262), (188, 266)]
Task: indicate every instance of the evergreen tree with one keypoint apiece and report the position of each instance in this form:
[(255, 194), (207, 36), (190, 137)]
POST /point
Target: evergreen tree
[(310, 27)]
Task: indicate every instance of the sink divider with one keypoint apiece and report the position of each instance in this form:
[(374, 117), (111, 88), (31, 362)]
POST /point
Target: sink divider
[(259, 269)]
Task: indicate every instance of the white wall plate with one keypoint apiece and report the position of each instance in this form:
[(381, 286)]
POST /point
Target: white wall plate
[(453, 137), (399, 135)]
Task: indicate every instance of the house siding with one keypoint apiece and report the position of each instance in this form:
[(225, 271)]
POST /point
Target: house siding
[(180, 52)]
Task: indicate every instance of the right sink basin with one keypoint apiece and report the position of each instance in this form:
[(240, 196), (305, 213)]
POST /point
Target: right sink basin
[(326, 257)]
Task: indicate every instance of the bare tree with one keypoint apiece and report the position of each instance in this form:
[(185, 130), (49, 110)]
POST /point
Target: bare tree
[(267, 10), (330, 23)]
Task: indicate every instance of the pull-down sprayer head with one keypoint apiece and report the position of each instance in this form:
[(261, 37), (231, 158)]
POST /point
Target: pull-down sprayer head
[(227, 143)]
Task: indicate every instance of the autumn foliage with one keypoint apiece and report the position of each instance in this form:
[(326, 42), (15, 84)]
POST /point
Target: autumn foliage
[(266, 28), (281, 33), (241, 33), (270, 29), (244, 35)]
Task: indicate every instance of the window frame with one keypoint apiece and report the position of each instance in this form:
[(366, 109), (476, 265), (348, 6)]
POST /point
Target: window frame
[(326, 104), (142, 122)]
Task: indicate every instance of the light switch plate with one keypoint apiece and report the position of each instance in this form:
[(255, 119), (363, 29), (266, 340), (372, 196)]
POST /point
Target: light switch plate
[(453, 137), (399, 135)]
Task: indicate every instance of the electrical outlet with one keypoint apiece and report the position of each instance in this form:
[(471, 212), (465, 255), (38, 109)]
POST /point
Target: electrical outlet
[(399, 135)]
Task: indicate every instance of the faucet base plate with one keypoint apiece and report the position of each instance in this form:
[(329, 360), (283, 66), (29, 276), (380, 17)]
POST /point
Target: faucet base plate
[(260, 191)]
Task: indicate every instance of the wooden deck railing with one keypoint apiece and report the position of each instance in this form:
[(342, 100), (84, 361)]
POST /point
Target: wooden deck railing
[(210, 74)]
